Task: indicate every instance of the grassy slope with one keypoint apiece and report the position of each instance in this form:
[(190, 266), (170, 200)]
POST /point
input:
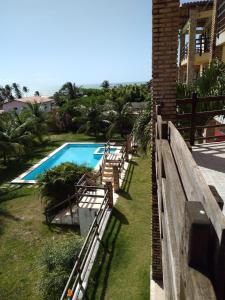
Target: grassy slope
[(122, 272), (22, 231)]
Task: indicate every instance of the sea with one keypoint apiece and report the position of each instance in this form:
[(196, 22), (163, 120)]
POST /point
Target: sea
[(50, 90)]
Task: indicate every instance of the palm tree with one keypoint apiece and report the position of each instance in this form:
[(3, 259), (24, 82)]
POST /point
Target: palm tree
[(36, 120), (17, 90), (105, 84), (15, 137), (70, 90), (119, 114), (25, 90), (142, 130), (90, 118), (6, 92), (37, 94)]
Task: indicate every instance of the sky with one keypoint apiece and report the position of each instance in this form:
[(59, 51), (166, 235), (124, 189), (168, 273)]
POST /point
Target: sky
[(45, 43)]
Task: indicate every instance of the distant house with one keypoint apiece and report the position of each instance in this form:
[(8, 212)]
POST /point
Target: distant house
[(45, 103)]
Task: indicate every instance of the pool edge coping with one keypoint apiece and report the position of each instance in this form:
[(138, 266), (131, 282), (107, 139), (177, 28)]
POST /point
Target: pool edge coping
[(18, 179)]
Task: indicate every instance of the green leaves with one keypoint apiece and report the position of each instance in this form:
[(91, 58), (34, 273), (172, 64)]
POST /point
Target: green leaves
[(57, 183), (56, 262)]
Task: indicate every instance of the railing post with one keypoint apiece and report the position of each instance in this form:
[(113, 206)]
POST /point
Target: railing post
[(126, 152), (193, 118), (110, 193), (116, 178)]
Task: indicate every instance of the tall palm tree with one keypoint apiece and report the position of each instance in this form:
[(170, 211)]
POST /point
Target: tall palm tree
[(118, 112), (17, 90), (36, 120), (142, 130), (70, 90), (37, 94), (25, 90), (90, 118), (105, 84)]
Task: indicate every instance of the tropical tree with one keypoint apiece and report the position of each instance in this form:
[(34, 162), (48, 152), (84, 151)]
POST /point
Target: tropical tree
[(6, 92), (15, 137), (91, 119), (119, 114), (105, 84), (70, 90), (17, 91), (37, 94), (142, 129), (36, 120), (25, 90)]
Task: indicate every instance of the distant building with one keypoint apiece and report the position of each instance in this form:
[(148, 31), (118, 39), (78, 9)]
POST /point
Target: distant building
[(201, 37), (45, 103)]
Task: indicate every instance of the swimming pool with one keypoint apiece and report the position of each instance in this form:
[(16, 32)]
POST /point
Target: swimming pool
[(79, 153)]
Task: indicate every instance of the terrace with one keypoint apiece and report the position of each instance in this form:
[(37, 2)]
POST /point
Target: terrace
[(188, 170), (195, 39)]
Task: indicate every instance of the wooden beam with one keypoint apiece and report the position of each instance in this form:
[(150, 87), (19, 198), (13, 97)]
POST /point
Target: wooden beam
[(193, 182)]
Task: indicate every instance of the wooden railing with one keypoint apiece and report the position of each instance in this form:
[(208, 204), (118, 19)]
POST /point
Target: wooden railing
[(221, 17), (192, 226), (70, 201), (77, 283), (202, 45), (195, 117)]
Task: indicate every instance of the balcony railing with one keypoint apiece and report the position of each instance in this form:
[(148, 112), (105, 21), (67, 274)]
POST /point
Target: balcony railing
[(221, 17), (202, 45)]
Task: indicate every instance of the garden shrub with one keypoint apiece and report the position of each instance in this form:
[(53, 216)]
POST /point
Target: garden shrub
[(56, 263), (57, 183)]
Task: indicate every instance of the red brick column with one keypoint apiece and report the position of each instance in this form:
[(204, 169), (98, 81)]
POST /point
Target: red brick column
[(164, 54), (164, 68)]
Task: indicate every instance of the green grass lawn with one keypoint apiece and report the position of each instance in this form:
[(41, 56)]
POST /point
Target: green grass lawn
[(122, 268), (23, 233)]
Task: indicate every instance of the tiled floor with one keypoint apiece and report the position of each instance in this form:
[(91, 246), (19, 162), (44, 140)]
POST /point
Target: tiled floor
[(211, 159)]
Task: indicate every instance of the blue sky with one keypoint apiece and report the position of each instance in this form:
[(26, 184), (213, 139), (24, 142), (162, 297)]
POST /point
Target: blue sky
[(45, 43)]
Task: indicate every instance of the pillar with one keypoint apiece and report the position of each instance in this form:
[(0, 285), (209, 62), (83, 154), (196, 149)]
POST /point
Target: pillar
[(191, 46), (116, 178), (165, 17)]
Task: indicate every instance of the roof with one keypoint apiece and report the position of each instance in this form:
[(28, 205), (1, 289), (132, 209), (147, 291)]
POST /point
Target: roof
[(200, 3), (35, 99)]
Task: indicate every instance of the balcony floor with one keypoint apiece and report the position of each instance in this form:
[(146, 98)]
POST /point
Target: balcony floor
[(211, 159)]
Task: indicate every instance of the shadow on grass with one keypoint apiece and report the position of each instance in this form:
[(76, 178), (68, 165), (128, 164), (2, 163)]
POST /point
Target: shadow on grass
[(5, 215), (7, 194), (105, 256), (124, 190)]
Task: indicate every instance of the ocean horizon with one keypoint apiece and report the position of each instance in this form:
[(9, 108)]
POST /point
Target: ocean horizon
[(49, 91)]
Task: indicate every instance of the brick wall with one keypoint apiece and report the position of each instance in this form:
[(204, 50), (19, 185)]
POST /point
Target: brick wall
[(164, 68), (164, 54)]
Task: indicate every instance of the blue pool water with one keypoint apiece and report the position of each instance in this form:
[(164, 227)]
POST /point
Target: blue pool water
[(81, 154)]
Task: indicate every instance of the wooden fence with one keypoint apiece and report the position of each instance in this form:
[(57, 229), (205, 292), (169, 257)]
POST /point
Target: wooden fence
[(192, 226), (71, 200), (77, 283), (194, 116)]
